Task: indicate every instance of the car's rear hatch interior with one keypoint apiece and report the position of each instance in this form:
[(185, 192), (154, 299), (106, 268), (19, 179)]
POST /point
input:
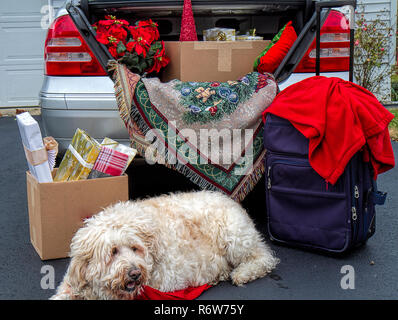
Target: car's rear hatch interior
[(266, 17)]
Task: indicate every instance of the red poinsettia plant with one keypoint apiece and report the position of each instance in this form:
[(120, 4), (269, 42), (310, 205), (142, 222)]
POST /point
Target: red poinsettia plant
[(137, 46)]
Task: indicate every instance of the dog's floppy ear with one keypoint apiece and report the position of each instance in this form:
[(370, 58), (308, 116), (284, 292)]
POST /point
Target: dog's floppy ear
[(149, 235), (82, 250), (74, 281), (64, 292), (76, 275)]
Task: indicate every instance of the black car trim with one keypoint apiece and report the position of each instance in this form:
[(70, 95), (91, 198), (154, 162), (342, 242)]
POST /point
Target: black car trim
[(298, 50), (148, 3), (88, 33), (307, 36)]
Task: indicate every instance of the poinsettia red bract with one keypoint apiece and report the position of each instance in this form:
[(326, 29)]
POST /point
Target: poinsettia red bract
[(137, 46)]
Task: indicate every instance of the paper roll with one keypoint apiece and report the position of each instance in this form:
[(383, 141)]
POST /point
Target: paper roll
[(51, 146)]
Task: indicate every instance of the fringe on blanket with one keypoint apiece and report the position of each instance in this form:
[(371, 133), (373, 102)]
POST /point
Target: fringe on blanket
[(129, 114)]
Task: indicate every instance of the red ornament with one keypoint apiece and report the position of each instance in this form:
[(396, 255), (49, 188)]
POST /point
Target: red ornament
[(213, 110), (188, 29)]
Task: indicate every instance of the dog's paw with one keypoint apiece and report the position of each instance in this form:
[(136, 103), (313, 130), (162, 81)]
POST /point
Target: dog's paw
[(240, 278), (249, 271)]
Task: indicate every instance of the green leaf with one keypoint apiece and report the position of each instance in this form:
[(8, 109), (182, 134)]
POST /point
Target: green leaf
[(130, 60), (143, 65), (149, 62), (120, 47), (156, 45)]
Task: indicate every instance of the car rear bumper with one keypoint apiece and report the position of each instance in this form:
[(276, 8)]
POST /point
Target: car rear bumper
[(88, 103)]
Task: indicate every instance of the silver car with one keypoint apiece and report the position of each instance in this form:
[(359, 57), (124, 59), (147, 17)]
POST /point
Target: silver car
[(78, 93)]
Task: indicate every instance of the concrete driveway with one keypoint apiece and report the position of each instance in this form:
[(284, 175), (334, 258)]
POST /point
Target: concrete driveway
[(300, 275)]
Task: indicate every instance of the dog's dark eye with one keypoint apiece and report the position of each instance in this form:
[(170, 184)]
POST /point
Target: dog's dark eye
[(114, 251), (134, 249)]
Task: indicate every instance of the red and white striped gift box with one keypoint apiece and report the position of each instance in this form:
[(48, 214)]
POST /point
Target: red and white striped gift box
[(111, 162)]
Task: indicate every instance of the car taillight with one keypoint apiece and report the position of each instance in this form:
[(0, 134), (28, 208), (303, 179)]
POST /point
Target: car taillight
[(67, 54), (335, 46)]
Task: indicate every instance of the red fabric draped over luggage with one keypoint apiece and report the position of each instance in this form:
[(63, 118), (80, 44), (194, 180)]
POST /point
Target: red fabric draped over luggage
[(339, 118)]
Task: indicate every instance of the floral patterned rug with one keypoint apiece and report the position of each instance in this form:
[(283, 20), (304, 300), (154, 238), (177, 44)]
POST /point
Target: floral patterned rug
[(211, 132)]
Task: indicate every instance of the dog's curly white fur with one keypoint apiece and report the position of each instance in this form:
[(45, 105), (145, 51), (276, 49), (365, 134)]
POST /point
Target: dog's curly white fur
[(169, 243)]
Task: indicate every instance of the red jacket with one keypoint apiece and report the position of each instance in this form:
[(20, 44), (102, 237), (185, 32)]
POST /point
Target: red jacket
[(339, 118)]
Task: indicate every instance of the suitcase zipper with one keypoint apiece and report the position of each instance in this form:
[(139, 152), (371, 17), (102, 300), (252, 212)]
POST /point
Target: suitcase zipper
[(354, 215), (354, 204), (366, 213), (356, 192), (303, 162)]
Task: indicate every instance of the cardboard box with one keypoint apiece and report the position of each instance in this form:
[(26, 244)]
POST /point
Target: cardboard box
[(57, 209), (211, 60)]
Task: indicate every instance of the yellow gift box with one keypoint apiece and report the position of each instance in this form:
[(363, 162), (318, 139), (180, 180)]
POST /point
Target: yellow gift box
[(79, 159)]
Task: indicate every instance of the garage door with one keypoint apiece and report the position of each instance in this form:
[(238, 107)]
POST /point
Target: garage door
[(23, 28)]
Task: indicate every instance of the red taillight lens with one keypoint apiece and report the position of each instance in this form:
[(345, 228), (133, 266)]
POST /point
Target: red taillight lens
[(335, 46), (67, 54)]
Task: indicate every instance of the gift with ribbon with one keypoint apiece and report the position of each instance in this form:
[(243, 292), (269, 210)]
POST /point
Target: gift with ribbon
[(113, 160), (35, 152), (79, 158), (109, 143), (109, 163)]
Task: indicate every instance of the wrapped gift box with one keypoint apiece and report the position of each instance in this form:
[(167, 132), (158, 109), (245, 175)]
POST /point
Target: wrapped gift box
[(109, 163), (35, 151), (79, 159), (112, 144), (113, 159)]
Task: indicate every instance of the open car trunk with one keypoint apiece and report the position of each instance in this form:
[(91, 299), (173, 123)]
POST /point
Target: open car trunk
[(267, 17)]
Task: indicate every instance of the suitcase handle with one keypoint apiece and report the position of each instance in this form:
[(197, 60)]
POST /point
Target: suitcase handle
[(330, 4), (379, 197)]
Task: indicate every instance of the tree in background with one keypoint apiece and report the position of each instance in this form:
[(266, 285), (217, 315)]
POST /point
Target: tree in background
[(372, 63)]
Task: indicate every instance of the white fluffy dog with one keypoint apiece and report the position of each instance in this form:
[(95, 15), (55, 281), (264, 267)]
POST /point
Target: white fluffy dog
[(169, 243)]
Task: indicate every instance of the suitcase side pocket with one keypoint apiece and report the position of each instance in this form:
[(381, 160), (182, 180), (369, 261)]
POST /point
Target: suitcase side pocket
[(302, 209)]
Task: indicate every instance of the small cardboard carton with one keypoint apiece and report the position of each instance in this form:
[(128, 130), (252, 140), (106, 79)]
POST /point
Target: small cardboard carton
[(57, 209), (211, 60)]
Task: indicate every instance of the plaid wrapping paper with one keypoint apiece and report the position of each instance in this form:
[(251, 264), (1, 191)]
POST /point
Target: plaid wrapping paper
[(110, 162), (112, 144)]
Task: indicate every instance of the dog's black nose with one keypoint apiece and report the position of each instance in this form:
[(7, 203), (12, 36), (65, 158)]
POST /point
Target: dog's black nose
[(134, 274)]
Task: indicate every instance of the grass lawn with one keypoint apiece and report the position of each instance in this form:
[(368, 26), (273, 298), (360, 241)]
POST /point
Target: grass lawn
[(393, 127)]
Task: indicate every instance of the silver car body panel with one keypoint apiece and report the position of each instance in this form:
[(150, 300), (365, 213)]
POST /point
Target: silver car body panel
[(89, 103)]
